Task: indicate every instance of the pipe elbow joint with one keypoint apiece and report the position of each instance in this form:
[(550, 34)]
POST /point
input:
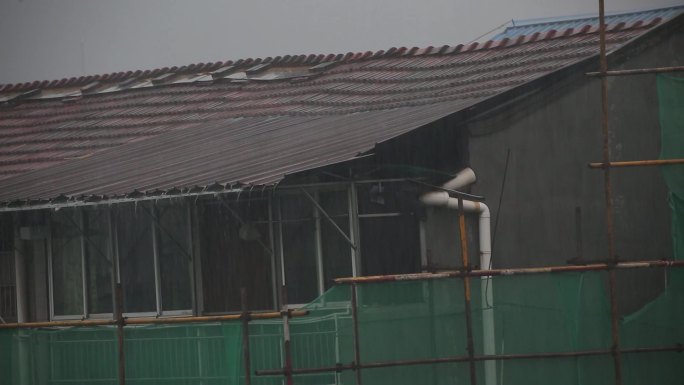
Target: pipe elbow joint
[(436, 198)]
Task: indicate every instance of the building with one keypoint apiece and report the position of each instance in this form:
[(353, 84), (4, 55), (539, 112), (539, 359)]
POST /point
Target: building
[(187, 183)]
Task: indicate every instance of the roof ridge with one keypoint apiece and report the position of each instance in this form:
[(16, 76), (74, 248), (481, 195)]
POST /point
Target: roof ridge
[(314, 59)]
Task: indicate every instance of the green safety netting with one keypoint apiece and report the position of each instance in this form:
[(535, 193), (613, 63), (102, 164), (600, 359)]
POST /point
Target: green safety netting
[(410, 320), (671, 97)]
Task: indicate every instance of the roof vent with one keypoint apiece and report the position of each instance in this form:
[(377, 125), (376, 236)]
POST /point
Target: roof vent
[(26, 95), (71, 99), (257, 68), (161, 79), (127, 83), (221, 72), (323, 66), (90, 87)]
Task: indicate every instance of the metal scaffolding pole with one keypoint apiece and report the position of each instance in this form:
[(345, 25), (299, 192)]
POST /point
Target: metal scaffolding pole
[(466, 293), (357, 343)]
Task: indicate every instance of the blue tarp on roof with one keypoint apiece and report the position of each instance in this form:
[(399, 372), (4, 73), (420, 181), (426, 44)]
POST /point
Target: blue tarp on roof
[(530, 26)]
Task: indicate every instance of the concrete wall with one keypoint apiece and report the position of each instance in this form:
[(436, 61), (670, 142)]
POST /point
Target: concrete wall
[(551, 136)]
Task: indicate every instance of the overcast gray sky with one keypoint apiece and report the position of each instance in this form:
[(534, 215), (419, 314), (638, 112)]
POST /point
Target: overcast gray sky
[(52, 39)]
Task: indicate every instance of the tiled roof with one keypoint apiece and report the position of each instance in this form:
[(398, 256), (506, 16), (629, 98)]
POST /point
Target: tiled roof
[(528, 27), (59, 137)]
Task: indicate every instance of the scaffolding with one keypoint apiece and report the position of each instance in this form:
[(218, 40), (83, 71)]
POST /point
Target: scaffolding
[(478, 357)]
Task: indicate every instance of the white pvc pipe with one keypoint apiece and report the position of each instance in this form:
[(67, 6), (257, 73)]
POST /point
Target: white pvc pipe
[(442, 199), (463, 178)]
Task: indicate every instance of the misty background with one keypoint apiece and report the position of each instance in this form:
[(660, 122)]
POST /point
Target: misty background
[(53, 39)]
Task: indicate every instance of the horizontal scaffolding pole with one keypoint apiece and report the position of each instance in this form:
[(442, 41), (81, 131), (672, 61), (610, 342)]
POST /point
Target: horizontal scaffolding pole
[(638, 71), (442, 360), (151, 321), (636, 163), (520, 271)]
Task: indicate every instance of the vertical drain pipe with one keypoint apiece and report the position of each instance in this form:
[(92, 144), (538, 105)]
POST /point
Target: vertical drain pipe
[(442, 199)]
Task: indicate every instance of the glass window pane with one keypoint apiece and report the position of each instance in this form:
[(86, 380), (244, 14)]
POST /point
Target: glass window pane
[(8, 295), (299, 248), (136, 259), (336, 250), (98, 261), (174, 256), (67, 281), (236, 253)]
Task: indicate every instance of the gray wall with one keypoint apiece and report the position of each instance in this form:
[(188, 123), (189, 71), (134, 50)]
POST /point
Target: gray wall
[(551, 136)]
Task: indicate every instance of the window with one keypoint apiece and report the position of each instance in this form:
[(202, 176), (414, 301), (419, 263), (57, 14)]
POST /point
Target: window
[(80, 247), (67, 263), (8, 294), (175, 259), (337, 252), (155, 259), (299, 248), (99, 261), (147, 245), (315, 241), (388, 228), (236, 252), (136, 257)]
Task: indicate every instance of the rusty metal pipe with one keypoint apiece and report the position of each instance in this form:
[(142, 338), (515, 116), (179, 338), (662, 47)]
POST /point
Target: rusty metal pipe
[(508, 272), (636, 163), (615, 326), (637, 71), (466, 293), (120, 333), (617, 360), (679, 348), (286, 338), (245, 336), (150, 321), (357, 342)]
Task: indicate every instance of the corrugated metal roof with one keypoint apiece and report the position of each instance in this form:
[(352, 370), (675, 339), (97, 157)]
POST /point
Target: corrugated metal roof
[(181, 131), (252, 151), (530, 26)]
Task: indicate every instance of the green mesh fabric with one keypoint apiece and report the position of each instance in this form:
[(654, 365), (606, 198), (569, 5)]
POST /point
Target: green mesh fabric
[(185, 354), (671, 98), (661, 322), (409, 320)]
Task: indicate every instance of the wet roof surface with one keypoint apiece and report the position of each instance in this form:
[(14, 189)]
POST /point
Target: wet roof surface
[(254, 121)]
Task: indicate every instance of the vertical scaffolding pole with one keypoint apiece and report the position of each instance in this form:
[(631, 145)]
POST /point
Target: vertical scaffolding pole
[(605, 131), (357, 347), (120, 333), (245, 317), (617, 359), (286, 337), (466, 291)]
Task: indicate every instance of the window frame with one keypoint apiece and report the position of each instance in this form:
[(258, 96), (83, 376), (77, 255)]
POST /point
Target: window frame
[(51, 297), (275, 236), (394, 213), (274, 260), (113, 248), (351, 213), (154, 223)]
